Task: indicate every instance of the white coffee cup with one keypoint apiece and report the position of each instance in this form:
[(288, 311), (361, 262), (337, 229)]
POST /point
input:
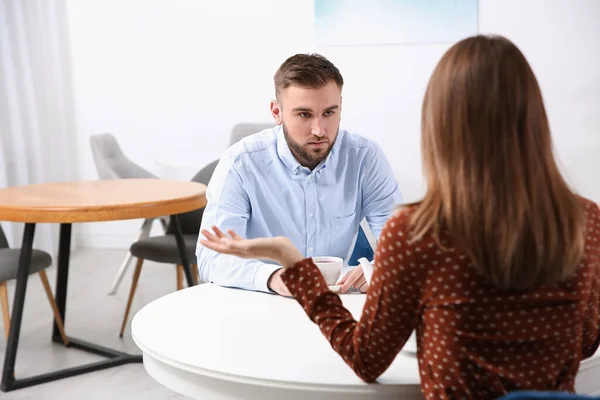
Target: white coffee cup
[(330, 267)]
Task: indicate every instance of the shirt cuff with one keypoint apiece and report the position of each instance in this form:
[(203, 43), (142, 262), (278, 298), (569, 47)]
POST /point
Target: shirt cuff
[(262, 276)]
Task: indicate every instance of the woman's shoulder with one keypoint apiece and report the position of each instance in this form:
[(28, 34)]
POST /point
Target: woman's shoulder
[(590, 207), (399, 225), (591, 212), (401, 217)]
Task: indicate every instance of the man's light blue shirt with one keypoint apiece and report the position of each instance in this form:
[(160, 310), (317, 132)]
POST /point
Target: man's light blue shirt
[(260, 190)]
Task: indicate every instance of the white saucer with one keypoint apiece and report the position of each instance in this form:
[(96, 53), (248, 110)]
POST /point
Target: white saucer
[(335, 288)]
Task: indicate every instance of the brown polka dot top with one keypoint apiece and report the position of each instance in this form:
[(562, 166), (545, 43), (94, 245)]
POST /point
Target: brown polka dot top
[(474, 340)]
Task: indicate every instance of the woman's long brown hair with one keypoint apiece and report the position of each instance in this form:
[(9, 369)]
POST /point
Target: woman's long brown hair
[(492, 180)]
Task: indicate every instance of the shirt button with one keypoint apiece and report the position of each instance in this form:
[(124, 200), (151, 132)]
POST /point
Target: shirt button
[(309, 177), (310, 249), (310, 215)]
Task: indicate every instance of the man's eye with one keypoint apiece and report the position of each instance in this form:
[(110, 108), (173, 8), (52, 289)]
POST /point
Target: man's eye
[(304, 115), (328, 113)]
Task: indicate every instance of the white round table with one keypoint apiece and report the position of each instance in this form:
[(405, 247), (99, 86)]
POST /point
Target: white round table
[(210, 342), (248, 345)]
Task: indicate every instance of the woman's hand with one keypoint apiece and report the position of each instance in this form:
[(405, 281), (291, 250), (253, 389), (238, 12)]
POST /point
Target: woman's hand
[(280, 249)]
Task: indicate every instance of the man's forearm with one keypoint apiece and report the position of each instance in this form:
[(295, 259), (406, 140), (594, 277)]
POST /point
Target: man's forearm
[(232, 271)]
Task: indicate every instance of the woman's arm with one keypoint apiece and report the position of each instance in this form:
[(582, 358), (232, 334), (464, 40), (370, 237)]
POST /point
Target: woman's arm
[(391, 309)]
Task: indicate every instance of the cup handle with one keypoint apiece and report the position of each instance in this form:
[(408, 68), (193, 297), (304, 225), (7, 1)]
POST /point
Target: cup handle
[(367, 268)]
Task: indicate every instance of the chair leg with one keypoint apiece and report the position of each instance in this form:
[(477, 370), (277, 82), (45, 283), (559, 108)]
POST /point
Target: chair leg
[(179, 269), (57, 317), (164, 222), (143, 233), (4, 303), (195, 273), (136, 276), (120, 274)]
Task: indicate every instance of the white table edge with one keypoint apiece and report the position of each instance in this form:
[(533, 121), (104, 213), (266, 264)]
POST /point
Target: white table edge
[(353, 389), (590, 363)]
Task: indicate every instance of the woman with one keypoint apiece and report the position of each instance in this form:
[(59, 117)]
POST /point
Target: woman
[(496, 268)]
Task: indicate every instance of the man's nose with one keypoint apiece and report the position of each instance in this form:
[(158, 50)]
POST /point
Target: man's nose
[(317, 129)]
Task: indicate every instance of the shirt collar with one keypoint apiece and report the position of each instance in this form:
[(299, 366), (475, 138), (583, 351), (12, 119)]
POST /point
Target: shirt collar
[(285, 153), (288, 159)]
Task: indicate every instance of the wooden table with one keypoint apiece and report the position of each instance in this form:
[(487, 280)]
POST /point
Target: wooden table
[(93, 201)]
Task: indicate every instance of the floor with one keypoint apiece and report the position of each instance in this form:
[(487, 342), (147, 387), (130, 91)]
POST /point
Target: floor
[(93, 316)]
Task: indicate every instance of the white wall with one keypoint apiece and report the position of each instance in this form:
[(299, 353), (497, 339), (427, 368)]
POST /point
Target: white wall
[(561, 40), (170, 79)]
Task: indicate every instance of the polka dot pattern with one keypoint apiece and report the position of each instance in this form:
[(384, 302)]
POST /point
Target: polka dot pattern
[(474, 340)]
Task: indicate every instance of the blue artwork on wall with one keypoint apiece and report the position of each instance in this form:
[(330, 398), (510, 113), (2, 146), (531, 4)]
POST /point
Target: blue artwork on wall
[(389, 22)]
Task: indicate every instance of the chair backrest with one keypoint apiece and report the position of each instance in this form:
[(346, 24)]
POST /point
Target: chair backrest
[(362, 248), (204, 175), (110, 161), (242, 130), (190, 221)]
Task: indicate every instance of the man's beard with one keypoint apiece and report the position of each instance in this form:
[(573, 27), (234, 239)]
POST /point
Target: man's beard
[(311, 156)]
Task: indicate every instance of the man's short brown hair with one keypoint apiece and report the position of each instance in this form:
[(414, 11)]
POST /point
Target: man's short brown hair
[(308, 70)]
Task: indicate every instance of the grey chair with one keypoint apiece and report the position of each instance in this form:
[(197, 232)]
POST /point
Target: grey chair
[(9, 265), (163, 249), (242, 130), (111, 163)]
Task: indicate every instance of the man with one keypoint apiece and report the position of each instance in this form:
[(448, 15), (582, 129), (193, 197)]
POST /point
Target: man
[(305, 179)]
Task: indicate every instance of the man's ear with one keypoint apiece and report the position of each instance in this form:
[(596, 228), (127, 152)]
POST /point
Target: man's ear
[(276, 112)]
